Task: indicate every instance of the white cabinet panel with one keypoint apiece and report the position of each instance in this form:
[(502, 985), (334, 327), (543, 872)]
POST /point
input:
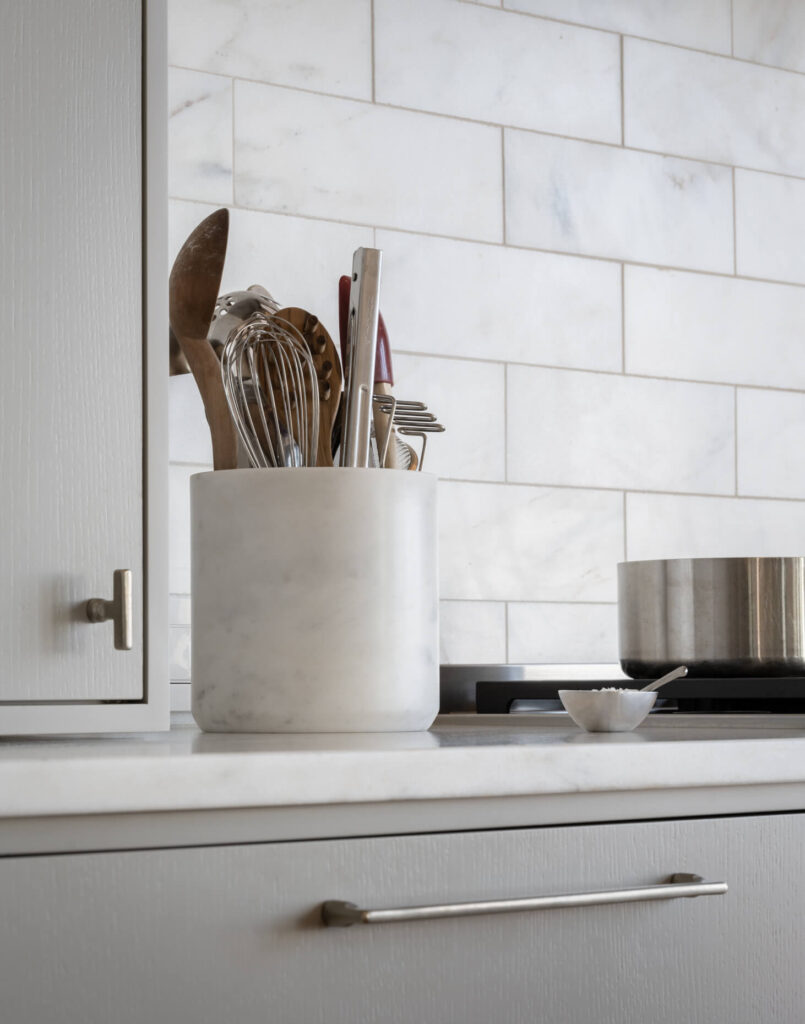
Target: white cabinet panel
[(233, 933), (76, 310)]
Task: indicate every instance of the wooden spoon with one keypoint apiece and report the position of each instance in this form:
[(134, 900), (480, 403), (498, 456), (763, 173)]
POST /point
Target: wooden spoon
[(194, 285)]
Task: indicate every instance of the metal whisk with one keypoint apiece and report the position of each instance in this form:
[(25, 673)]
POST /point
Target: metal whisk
[(272, 392)]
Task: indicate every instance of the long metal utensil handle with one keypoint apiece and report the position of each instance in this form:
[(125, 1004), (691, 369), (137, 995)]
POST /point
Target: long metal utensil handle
[(339, 914), (364, 306)]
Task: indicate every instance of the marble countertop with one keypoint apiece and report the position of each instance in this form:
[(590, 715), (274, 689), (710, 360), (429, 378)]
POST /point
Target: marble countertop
[(462, 756)]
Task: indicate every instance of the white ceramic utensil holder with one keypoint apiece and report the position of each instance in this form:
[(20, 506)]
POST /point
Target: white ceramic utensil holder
[(314, 600)]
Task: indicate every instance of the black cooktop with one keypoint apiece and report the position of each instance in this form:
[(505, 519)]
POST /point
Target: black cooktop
[(502, 689), (687, 696)]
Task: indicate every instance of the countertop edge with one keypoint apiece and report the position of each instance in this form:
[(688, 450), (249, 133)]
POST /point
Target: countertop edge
[(41, 787)]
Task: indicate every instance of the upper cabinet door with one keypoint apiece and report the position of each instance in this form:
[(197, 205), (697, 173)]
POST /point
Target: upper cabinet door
[(81, 276)]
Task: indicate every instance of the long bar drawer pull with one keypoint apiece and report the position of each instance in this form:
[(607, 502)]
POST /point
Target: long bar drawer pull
[(340, 914)]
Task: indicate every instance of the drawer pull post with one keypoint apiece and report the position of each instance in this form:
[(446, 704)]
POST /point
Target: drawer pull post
[(118, 610), (341, 914)]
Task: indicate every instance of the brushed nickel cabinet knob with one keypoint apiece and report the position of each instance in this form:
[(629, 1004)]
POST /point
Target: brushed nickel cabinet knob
[(118, 609)]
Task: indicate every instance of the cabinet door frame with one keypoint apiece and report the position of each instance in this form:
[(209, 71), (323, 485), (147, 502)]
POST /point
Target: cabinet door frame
[(152, 712)]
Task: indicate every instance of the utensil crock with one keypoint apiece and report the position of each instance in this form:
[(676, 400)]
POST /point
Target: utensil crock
[(314, 600)]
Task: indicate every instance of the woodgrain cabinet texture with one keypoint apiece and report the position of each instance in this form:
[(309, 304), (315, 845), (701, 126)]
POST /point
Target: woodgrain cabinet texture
[(233, 933), (82, 269)]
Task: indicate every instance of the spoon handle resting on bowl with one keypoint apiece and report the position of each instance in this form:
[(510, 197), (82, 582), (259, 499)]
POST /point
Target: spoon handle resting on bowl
[(669, 677)]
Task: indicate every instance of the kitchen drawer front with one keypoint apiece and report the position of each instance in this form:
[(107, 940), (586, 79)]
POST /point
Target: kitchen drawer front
[(233, 933)]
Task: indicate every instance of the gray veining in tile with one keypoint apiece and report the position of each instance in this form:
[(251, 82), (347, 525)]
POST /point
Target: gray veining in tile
[(200, 130), (495, 302), (311, 44), (771, 444), (607, 430), (605, 201), (703, 24), (473, 62), (528, 543), (705, 327), (770, 226), (771, 32), (339, 159), (675, 526), (547, 633), (713, 108)]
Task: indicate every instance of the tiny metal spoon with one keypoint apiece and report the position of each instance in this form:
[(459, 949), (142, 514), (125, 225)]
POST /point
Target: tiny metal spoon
[(669, 677)]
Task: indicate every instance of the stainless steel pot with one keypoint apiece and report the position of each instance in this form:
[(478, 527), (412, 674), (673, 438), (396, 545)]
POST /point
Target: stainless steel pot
[(718, 616)]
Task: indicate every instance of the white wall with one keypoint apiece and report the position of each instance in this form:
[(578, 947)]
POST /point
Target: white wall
[(591, 213)]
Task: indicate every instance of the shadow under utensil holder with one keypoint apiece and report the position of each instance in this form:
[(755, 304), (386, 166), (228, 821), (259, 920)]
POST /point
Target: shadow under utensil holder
[(314, 600)]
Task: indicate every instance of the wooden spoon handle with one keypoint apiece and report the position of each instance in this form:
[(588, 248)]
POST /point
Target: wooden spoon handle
[(207, 371)]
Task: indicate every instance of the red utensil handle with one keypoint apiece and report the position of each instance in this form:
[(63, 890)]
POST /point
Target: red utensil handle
[(383, 370)]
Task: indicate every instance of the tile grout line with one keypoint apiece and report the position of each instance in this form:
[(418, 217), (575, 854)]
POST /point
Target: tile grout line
[(503, 177), (732, 28), (623, 318), (612, 489), (497, 124), (601, 31), (372, 44), (623, 102), (734, 229), (465, 600), (566, 254), (234, 136), (603, 373), (589, 488), (735, 438), (559, 368), (505, 422), (584, 26)]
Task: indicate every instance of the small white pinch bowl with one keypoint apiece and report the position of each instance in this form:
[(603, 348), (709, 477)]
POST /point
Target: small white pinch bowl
[(607, 710)]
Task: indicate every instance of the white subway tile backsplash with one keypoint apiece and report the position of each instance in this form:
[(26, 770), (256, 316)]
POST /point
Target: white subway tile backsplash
[(606, 430), (179, 610), (770, 226), (179, 525), (597, 200), (703, 24), (297, 259), (472, 633), (188, 431), (712, 108), (770, 32), (469, 61), (200, 134), (494, 302), (548, 633), (500, 543), (343, 160), (675, 526), (397, 124), (771, 444), (468, 399), (704, 327), (179, 653), (311, 44)]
